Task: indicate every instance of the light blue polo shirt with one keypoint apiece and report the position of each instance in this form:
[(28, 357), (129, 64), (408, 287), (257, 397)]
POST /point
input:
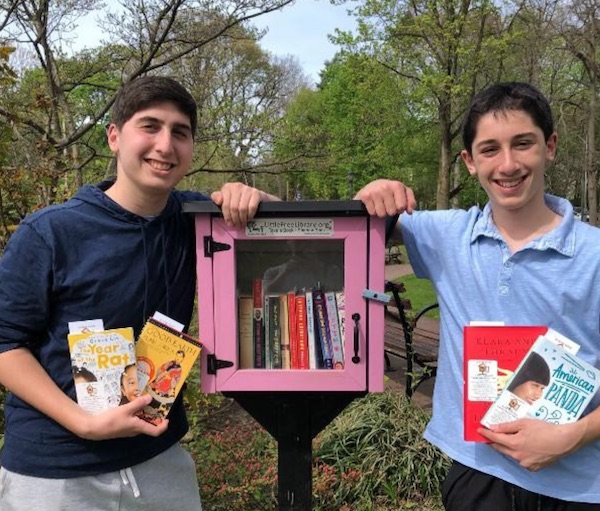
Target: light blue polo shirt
[(553, 281)]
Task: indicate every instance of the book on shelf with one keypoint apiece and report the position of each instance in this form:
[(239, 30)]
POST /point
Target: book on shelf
[(164, 357), (245, 332), (491, 354), (100, 359), (314, 351), (286, 361), (322, 328), (551, 384), (293, 330), (334, 331), (340, 300), (258, 334), (273, 319), (268, 343), (301, 331)]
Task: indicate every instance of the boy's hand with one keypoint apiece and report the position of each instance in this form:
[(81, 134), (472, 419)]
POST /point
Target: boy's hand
[(121, 422), (533, 443), (239, 202), (385, 197)]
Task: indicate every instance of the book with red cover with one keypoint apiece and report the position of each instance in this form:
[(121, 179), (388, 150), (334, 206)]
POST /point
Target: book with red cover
[(302, 332), (293, 329), (491, 355)]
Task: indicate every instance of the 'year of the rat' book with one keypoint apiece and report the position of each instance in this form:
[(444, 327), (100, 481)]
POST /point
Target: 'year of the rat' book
[(165, 357), (99, 360)]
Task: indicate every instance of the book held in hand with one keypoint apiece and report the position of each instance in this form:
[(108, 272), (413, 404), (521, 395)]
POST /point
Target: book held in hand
[(550, 384), (101, 360), (165, 357), (491, 354)]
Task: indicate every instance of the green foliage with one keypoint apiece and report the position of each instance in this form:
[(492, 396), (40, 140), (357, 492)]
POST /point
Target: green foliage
[(420, 292), (374, 454)]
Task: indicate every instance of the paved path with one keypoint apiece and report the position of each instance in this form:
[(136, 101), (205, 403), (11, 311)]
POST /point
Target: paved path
[(393, 271)]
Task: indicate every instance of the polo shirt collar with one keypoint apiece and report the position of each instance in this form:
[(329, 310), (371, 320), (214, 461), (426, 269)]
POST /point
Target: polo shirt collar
[(561, 239)]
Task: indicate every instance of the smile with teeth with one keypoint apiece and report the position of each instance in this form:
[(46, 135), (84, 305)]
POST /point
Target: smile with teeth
[(158, 165), (509, 183)]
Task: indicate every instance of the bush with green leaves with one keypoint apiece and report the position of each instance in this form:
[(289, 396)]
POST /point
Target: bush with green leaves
[(373, 455)]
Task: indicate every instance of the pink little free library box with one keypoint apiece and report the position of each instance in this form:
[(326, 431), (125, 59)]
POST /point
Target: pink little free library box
[(293, 301)]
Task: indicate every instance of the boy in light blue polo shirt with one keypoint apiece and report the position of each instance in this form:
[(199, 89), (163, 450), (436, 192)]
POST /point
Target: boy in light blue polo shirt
[(524, 259)]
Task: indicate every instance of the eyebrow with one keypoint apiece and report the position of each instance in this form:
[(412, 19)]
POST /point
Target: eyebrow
[(177, 125)]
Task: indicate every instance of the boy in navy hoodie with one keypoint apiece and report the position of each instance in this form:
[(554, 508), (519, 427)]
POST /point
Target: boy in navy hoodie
[(118, 251)]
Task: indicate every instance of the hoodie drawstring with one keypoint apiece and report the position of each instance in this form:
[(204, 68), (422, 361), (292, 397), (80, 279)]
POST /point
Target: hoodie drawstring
[(129, 480)]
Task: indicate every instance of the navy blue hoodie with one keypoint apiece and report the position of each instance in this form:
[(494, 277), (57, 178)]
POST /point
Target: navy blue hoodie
[(89, 259)]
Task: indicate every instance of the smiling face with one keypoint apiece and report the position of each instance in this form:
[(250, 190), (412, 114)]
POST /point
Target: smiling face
[(154, 151), (509, 157), (129, 383)]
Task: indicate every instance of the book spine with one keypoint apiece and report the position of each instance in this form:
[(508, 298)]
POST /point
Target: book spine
[(267, 334), (334, 330), (310, 332), (285, 332), (275, 330), (258, 327), (292, 324), (301, 332), (340, 300), (245, 329), (323, 328)]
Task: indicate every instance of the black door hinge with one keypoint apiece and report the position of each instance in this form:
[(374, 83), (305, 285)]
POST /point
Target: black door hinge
[(211, 246), (215, 364)]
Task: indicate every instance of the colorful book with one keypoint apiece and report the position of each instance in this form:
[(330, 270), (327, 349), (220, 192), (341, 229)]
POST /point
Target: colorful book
[(258, 334), (301, 331), (550, 384), (165, 357), (245, 332), (322, 328), (101, 362), (491, 354), (293, 329), (334, 331), (274, 321), (313, 349), (340, 300), (286, 362), (267, 334)]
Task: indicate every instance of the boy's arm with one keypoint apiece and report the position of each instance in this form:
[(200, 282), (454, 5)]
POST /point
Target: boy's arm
[(239, 202), (22, 375), (536, 444)]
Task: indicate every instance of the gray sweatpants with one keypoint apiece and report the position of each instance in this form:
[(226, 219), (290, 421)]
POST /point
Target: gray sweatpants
[(167, 481)]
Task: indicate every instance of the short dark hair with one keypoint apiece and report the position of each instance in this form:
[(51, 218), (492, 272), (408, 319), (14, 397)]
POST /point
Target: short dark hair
[(503, 97), (534, 368), (146, 91)]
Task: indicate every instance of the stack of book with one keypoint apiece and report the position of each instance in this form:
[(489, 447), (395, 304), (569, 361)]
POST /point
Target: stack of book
[(299, 329), (514, 372)]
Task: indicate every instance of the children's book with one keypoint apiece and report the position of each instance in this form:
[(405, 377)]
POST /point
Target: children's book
[(165, 357), (491, 354), (550, 384), (101, 361)]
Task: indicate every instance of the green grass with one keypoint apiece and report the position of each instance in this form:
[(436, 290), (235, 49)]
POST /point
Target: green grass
[(420, 292)]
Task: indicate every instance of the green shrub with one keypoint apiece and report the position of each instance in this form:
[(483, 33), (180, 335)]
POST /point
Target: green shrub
[(373, 454)]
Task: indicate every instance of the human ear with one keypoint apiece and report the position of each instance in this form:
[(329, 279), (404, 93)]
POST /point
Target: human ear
[(468, 159)]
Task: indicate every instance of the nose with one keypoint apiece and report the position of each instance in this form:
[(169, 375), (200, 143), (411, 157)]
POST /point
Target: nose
[(164, 141), (508, 163)]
